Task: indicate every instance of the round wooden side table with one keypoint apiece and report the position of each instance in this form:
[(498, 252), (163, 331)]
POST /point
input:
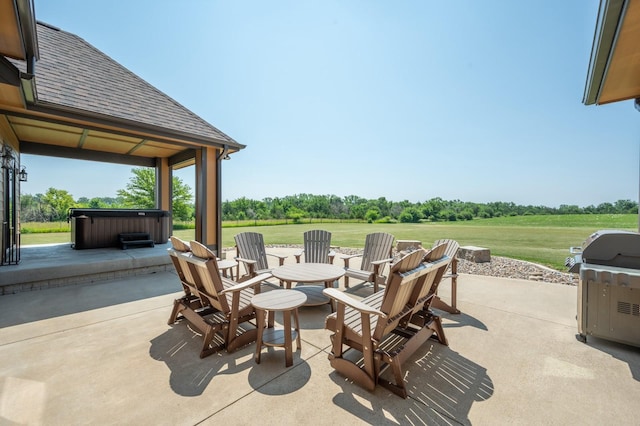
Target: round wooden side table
[(287, 302), (226, 267)]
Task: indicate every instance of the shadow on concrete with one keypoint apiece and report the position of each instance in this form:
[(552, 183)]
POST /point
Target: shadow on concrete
[(361, 290), (297, 376), (442, 387), (179, 348), (625, 353), (460, 320)]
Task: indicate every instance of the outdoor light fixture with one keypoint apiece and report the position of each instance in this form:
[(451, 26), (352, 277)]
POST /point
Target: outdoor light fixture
[(8, 162), (7, 159), (22, 175)]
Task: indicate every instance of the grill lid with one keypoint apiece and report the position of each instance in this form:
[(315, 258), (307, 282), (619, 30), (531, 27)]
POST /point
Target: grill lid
[(612, 248)]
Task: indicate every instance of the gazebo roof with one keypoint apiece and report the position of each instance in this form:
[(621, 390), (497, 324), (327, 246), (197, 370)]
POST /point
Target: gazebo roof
[(614, 68), (86, 105)]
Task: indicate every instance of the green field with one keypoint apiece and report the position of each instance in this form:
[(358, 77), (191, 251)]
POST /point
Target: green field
[(540, 239)]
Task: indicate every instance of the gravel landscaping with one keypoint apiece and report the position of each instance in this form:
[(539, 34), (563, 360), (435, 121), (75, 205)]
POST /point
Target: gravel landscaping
[(498, 267), (512, 268)]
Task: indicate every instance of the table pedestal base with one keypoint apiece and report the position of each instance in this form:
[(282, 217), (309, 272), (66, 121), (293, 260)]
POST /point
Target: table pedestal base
[(287, 302)]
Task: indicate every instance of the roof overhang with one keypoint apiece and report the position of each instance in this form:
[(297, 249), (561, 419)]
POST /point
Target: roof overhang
[(73, 134), (614, 66), (18, 37), (16, 87), (18, 40), (42, 127)]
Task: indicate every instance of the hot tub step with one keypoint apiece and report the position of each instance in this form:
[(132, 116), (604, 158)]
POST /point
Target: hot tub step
[(135, 239)]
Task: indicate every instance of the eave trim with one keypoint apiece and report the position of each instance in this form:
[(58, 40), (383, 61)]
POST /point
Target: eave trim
[(609, 21), (127, 125)]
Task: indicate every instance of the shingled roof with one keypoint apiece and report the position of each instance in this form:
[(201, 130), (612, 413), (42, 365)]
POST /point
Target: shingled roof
[(73, 75)]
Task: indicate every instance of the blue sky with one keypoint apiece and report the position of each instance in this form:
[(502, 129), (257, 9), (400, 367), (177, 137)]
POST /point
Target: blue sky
[(408, 100)]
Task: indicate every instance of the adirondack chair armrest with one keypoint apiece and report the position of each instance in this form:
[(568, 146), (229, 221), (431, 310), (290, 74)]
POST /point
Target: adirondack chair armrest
[(378, 265), (249, 264), (344, 299), (297, 255), (247, 284), (280, 258), (332, 255), (347, 258), (381, 261), (243, 260), (351, 256)]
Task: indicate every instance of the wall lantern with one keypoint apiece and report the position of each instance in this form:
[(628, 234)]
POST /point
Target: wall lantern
[(22, 175), (7, 160)]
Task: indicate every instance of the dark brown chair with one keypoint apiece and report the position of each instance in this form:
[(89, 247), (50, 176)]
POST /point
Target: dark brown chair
[(221, 309), (388, 326), (452, 274)]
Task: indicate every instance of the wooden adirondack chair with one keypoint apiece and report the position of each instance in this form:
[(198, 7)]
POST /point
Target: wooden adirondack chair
[(317, 247), (451, 251), (383, 326), (221, 310), (375, 256), (250, 251), (423, 298), (181, 266)]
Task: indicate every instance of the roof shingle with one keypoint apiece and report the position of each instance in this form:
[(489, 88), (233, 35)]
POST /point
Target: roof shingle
[(71, 73)]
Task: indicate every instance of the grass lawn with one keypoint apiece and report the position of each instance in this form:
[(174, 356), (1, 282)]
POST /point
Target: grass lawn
[(540, 239)]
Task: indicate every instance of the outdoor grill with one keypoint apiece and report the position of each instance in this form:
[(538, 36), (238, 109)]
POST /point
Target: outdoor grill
[(609, 287)]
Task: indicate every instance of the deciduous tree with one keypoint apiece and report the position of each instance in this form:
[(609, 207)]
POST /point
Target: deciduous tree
[(140, 193)]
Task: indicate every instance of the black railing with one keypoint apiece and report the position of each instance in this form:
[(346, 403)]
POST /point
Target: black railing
[(10, 253)]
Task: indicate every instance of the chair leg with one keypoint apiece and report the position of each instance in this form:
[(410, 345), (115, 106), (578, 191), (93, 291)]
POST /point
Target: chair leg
[(178, 307), (260, 327), (443, 306), (436, 326), (352, 371), (398, 387), (206, 344)]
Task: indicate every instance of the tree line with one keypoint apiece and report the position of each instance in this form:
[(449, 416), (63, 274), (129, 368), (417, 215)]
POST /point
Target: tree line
[(54, 205), (300, 206), (139, 193)]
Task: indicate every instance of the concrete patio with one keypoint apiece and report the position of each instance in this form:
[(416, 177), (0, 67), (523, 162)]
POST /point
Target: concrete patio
[(102, 353)]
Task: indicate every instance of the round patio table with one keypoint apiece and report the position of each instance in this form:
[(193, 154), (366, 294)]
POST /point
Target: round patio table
[(310, 273)]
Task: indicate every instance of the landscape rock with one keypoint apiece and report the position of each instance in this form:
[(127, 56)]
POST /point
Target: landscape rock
[(474, 254), (502, 267)]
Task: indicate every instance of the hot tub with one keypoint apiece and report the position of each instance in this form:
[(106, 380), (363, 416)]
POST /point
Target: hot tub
[(99, 228)]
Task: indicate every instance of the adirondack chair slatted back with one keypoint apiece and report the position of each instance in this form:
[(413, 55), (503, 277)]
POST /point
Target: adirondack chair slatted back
[(181, 265), (250, 245), (404, 276), (451, 251), (435, 276), (317, 244), (204, 267), (377, 246), (452, 247)]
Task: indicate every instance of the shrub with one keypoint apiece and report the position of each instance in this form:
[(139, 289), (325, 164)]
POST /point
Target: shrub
[(386, 219), (410, 215)]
